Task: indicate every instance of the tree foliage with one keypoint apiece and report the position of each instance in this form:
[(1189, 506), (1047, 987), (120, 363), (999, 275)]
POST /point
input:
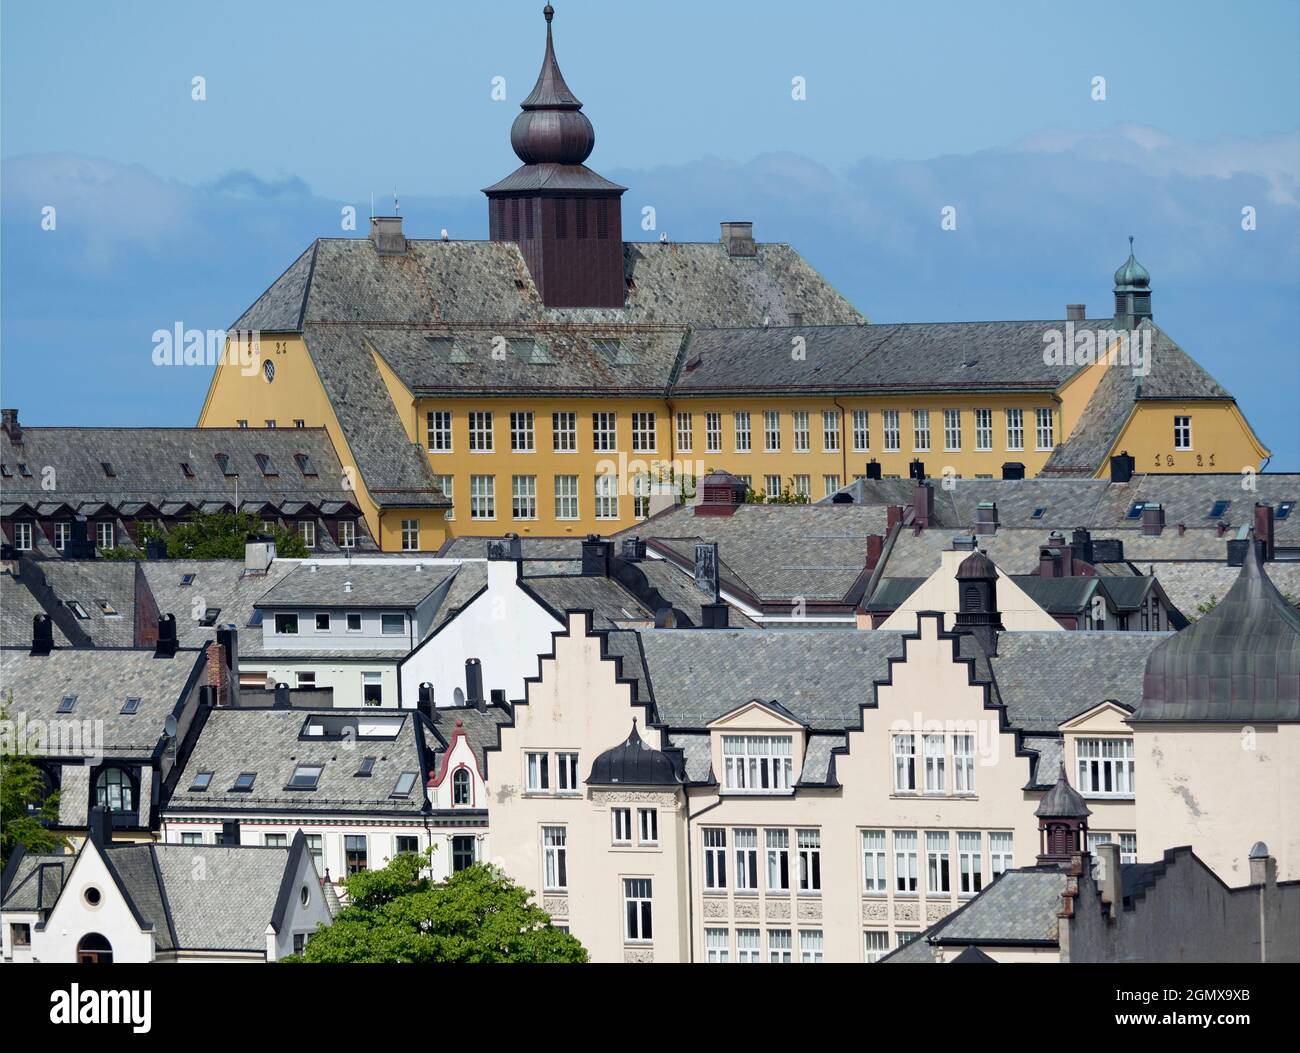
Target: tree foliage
[(24, 810), (398, 914), (221, 535)]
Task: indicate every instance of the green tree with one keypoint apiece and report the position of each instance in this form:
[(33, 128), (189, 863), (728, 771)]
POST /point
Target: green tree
[(24, 810), (398, 914), (221, 535)]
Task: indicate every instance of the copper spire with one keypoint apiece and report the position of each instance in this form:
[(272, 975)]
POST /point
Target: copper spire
[(552, 129), (550, 92)]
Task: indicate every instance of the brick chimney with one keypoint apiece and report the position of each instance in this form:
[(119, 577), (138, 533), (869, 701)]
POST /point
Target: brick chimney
[(738, 237), (167, 642), (386, 235), (875, 546), (922, 504), (218, 674), (893, 516), (9, 424), (1264, 528), (1153, 519), (1074, 312), (986, 517)]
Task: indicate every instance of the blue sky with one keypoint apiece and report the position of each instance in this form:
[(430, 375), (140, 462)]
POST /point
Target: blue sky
[(175, 210)]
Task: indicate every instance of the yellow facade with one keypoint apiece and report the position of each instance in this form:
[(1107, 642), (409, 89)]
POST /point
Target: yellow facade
[(1220, 438)]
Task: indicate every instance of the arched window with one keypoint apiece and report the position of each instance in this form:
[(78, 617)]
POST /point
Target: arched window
[(94, 949), (114, 789), (460, 788)]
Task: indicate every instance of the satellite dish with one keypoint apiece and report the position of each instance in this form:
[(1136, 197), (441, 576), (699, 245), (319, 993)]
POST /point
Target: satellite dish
[(169, 726)]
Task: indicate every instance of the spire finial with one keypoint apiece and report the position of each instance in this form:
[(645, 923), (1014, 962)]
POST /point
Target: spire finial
[(1130, 240), (548, 12)]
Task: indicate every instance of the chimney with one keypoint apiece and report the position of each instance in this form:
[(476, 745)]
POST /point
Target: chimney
[(1081, 543), (281, 696), (1110, 878), (1013, 470), (259, 553), (228, 638), (1263, 867), (986, 518), (1264, 528), (875, 546), (386, 234), (1049, 562), (474, 684), (873, 469), (1221, 528), (509, 547), (916, 469), (713, 615), (893, 516), (498, 697), (721, 493), (595, 556), (963, 543), (9, 423), (1074, 312), (633, 550), (425, 704), (155, 548), (218, 674), (1121, 467), (1153, 519), (230, 832), (1238, 547), (100, 828), (167, 643), (922, 504), (42, 635), (738, 237)]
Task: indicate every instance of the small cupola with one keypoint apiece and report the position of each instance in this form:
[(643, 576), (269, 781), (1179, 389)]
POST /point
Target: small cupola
[(634, 763), (977, 601), (1062, 822), (721, 493), (1132, 291)]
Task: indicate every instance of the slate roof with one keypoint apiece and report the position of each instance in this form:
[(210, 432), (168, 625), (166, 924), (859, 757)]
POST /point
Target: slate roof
[(611, 605), (36, 882), (470, 580), (271, 742), (88, 582), (480, 726), (102, 680), (372, 585), (219, 583), (1018, 909)]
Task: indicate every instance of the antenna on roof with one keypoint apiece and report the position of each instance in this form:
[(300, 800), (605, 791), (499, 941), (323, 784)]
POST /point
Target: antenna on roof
[(445, 236), (372, 204), (396, 205)]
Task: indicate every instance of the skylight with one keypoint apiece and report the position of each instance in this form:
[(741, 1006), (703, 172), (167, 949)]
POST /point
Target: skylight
[(1284, 510), (530, 351), (266, 464), (201, 782), (106, 609), (1038, 513), (210, 616), (76, 608), (305, 465), (108, 469), (1135, 512), (187, 579), (367, 766), (244, 781), (66, 703), (24, 471), (255, 619), (614, 351), (223, 462), (445, 350), (305, 777), (405, 783), (130, 706), (1217, 509), (187, 469)]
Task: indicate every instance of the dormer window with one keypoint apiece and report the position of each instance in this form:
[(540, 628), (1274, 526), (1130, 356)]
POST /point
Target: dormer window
[(223, 462), (757, 763), (265, 463), (305, 464)]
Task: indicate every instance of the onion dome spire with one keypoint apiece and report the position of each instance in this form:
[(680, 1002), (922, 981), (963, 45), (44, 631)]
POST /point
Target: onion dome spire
[(1131, 274), (552, 129)]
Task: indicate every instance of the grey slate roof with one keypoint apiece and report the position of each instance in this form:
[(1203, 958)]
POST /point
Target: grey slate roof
[(371, 585), (1019, 908), (480, 726), (219, 583), (610, 604), (271, 743), (37, 882), (470, 580), (85, 581)]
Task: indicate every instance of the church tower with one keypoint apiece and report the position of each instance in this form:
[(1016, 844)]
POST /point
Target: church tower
[(564, 217)]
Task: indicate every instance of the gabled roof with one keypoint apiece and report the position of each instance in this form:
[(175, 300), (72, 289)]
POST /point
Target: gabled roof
[(358, 585)]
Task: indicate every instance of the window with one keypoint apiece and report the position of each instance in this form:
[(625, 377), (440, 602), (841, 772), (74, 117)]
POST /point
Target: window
[(348, 532), (969, 860), (191, 839), (684, 432), (522, 439), (890, 425), (244, 781), (482, 497), (1284, 509), (439, 431), (1105, 767), (554, 858), (461, 794), (354, 623), (904, 860), (23, 536), (566, 772), (1043, 429), (963, 763), (748, 946), (640, 486), (316, 846), (637, 910), (983, 429), (717, 945), (1015, 429), (539, 772), (62, 534), (305, 777), (404, 785), (830, 483), (604, 431), (778, 860), (201, 782), (104, 534), (1182, 433), (757, 763), (564, 432), (286, 625), (606, 497), (20, 934), (713, 432), (934, 761), (715, 857), (779, 946), (392, 624), (1217, 510), (803, 486), (921, 430), (952, 429), (622, 820), (1128, 848), (810, 946), (747, 860), (366, 767), (354, 853), (742, 431), (67, 703), (523, 494), (802, 442), (566, 497), (322, 625), (772, 486), (643, 432), (809, 843), (873, 861), (875, 945), (1000, 851), (647, 825), (410, 535), (480, 432), (831, 431), (772, 431), (372, 689), (905, 763), (275, 840), (938, 862), (861, 431), (462, 852)]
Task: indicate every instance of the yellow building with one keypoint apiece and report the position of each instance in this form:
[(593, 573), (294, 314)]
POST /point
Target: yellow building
[(539, 382)]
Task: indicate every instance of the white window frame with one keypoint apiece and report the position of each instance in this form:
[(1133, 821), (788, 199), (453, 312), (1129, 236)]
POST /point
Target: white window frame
[(523, 434), (307, 531), (906, 879), (715, 858), (713, 432), (830, 483), (875, 864), (771, 431), (861, 431), (685, 432), (555, 861), (952, 430), (938, 859), (645, 432), (1001, 851), (564, 431), (438, 431), (802, 442), (647, 826), (482, 497), (892, 437), (745, 839), (749, 946), (348, 532), (808, 843), (904, 753), (604, 431), (23, 535), (780, 946), (523, 497), (566, 497), (744, 437), (921, 430), (963, 763), (1044, 429), (1015, 429), (607, 496), (1105, 767), (772, 486), (567, 779), (970, 863), (875, 944), (717, 946), (811, 947), (480, 431), (983, 430), (100, 527), (638, 910), (934, 749), (776, 842), (803, 486), (758, 763), (621, 821), (410, 535), (537, 771), (830, 431), (1182, 432), (62, 533)]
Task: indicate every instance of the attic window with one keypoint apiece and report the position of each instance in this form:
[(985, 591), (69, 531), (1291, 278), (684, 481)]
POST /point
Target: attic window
[(201, 782), (244, 782), (223, 462), (210, 616), (367, 766), (76, 608), (405, 783), (1038, 513), (107, 609), (1135, 512), (4, 470), (187, 469), (266, 464), (305, 777), (66, 703), (1217, 509), (530, 351), (446, 351), (131, 705), (254, 620), (304, 464), (108, 469), (24, 471), (187, 579), (1284, 510), (519, 283)]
